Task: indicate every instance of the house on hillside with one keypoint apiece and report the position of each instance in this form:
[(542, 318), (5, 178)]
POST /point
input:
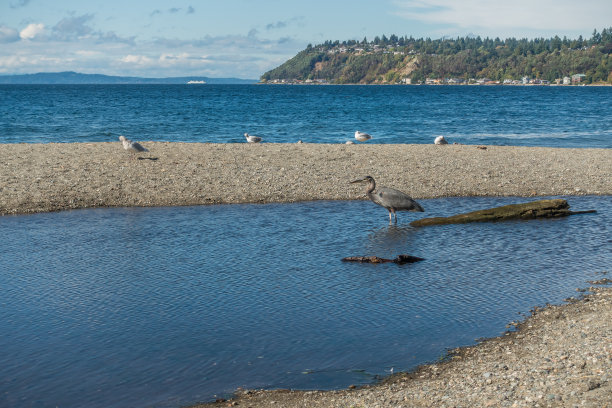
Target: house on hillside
[(484, 81), (578, 78)]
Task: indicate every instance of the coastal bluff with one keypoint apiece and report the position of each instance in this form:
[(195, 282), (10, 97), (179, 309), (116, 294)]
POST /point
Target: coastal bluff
[(62, 176)]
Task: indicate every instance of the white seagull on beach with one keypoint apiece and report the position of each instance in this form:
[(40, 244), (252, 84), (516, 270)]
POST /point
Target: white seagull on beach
[(132, 147), (252, 139), (362, 137), (440, 140)]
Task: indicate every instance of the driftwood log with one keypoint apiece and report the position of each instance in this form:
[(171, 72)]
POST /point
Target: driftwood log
[(400, 259), (536, 209)]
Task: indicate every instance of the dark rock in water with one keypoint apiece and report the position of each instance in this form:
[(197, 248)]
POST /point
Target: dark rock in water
[(368, 259), (400, 259), (536, 209)]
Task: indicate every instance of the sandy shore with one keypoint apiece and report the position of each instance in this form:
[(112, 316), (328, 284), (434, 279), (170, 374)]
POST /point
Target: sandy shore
[(52, 177), (560, 357)]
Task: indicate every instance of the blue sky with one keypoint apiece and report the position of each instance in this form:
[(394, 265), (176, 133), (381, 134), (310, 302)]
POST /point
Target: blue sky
[(242, 38)]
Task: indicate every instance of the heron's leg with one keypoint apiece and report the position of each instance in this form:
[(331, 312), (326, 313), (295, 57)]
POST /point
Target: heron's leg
[(390, 218)]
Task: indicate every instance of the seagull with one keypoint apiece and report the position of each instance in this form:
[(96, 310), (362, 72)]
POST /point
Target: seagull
[(362, 137), (252, 139), (132, 147), (440, 140)]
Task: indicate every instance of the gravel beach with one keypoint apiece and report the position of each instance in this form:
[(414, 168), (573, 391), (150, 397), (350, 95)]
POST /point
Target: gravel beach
[(61, 176), (561, 356)]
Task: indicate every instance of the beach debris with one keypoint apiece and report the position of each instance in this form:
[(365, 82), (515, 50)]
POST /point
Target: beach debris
[(536, 209), (252, 138), (350, 142), (481, 147), (362, 137), (132, 147), (440, 140), (400, 259)]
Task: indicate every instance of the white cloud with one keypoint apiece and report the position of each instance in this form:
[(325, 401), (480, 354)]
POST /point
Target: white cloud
[(12, 62), (75, 43), (31, 31), (511, 15), (88, 53), (137, 59)]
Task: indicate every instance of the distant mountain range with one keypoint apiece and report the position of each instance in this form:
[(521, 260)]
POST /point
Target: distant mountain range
[(69, 78)]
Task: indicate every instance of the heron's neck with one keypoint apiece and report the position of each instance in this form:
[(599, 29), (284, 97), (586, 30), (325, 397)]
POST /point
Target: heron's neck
[(371, 187)]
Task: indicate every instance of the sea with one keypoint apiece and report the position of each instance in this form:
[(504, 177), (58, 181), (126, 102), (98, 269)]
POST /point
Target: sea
[(552, 116), (170, 306)]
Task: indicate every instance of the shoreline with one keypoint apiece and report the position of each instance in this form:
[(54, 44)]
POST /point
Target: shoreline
[(62, 176), (560, 356)]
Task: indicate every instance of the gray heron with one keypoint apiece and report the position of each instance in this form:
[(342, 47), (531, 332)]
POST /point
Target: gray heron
[(393, 200), (132, 147), (362, 137)]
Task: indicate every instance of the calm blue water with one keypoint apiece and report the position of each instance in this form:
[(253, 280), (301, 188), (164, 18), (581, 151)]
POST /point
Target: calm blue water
[(530, 116), (162, 307)]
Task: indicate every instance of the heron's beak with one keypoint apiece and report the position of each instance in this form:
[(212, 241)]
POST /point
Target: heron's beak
[(357, 181)]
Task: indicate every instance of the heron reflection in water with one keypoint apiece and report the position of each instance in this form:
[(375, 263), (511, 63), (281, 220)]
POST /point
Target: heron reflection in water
[(393, 200)]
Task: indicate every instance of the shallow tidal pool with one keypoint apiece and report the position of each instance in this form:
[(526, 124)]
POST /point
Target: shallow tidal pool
[(164, 307)]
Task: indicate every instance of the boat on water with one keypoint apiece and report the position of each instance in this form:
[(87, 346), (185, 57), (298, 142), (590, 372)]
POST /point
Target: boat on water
[(196, 82)]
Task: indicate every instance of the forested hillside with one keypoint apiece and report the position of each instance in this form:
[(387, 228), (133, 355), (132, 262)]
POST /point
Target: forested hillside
[(461, 60)]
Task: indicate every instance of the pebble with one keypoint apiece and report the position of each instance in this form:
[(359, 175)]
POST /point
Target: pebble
[(97, 174)]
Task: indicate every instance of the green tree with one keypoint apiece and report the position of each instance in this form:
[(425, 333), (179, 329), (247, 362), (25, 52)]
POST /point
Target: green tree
[(465, 57)]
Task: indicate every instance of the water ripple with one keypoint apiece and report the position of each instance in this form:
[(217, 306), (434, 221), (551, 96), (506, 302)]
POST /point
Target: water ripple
[(163, 307), (529, 116)]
